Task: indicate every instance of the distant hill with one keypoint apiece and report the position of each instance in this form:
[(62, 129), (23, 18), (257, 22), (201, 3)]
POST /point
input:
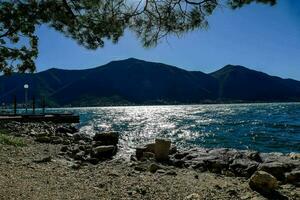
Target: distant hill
[(133, 81), (240, 83)]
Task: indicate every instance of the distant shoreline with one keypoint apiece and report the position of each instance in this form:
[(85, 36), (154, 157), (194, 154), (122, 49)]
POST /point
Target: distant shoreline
[(192, 104)]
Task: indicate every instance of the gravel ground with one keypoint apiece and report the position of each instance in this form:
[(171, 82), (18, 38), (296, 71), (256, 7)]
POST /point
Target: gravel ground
[(24, 174)]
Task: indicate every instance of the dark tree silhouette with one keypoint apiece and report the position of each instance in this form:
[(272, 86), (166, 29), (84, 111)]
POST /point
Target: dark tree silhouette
[(90, 22)]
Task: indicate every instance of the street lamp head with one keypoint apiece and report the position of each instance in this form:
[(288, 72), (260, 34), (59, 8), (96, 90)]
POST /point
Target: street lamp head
[(26, 86)]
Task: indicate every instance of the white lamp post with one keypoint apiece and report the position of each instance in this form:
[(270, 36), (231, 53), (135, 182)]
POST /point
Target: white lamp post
[(26, 86)]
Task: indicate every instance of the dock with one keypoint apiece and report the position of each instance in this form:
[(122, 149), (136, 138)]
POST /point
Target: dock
[(54, 118)]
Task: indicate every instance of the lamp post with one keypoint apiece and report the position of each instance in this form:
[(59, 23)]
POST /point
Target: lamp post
[(26, 86)]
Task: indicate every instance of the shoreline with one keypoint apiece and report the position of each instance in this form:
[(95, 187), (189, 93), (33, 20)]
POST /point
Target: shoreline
[(192, 104), (43, 157)]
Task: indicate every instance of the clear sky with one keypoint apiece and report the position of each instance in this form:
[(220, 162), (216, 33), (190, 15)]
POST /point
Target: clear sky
[(258, 36)]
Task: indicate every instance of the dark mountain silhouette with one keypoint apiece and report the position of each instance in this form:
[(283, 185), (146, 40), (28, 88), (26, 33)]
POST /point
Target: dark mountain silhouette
[(133, 81), (240, 83)]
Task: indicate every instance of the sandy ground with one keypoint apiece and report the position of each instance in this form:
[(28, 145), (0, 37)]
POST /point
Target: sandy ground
[(21, 177)]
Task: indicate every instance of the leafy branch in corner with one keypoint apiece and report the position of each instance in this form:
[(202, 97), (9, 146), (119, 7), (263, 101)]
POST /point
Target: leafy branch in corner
[(91, 22)]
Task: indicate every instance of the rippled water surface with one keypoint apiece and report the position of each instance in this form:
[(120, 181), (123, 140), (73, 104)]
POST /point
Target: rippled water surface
[(263, 127)]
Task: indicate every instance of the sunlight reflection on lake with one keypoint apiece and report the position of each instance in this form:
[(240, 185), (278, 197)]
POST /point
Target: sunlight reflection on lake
[(263, 127)]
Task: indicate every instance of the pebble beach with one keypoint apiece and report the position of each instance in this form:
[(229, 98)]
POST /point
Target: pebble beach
[(57, 162)]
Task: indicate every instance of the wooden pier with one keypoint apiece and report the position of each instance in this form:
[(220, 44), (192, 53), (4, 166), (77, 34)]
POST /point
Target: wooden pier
[(54, 118)]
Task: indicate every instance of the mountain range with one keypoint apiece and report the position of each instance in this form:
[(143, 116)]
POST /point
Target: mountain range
[(138, 82)]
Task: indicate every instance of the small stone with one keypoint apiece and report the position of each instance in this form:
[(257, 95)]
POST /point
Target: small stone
[(173, 150), (246, 196), (43, 139), (44, 160), (76, 166), (181, 155), (140, 168), (81, 142), (64, 148), (193, 196), (139, 152), (114, 174), (141, 191), (93, 161), (57, 140), (161, 171), (154, 167), (263, 182), (232, 192), (218, 187), (171, 173), (63, 130), (80, 155), (133, 158), (179, 163), (80, 136)]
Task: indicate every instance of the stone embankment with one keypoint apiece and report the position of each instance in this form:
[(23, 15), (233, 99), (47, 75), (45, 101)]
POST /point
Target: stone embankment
[(75, 145), (265, 171)]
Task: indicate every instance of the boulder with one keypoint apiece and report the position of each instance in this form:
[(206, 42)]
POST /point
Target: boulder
[(162, 149), (293, 177), (277, 169), (263, 182), (243, 167), (104, 151), (154, 167), (107, 138), (216, 165)]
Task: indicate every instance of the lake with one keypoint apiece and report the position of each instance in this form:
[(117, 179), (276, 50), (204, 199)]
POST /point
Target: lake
[(273, 127)]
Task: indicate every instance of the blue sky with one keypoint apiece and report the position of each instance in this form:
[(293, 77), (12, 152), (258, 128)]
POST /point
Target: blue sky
[(259, 37)]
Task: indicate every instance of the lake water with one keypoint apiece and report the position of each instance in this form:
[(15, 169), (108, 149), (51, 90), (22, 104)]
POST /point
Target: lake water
[(262, 127)]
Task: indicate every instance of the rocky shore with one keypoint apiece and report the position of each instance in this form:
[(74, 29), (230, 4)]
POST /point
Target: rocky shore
[(157, 171)]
